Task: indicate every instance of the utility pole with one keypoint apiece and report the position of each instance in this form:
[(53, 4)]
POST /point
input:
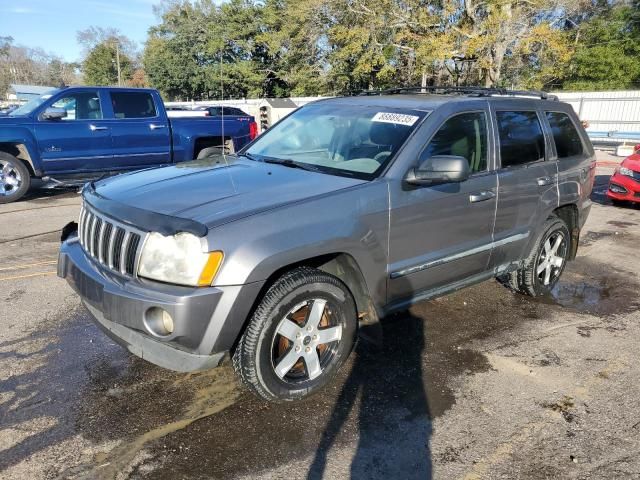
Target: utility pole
[(118, 62)]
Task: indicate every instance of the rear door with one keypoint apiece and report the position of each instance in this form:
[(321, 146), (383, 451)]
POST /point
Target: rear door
[(80, 142), (139, 129), (527, 180), (442, 234)]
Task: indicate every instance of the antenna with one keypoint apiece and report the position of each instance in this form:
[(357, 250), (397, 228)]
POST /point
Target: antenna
[(224, 154)]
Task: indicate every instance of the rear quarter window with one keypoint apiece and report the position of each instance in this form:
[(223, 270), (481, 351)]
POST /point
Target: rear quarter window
[(521, 138), (565, 135)]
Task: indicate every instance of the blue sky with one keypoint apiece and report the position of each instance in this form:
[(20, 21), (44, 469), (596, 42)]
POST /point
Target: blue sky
[(52, 24)]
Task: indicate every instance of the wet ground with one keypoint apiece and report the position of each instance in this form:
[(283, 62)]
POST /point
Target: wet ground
[(479, 384)]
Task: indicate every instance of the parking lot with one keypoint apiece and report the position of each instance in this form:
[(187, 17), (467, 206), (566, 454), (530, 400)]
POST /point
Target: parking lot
[(492, 384)]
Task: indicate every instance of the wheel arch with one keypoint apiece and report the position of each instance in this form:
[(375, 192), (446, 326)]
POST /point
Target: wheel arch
[(20, 151), (343, 266), (569, 215)]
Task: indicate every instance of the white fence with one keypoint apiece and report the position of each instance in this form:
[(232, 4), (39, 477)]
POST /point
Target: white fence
[(613, 117)]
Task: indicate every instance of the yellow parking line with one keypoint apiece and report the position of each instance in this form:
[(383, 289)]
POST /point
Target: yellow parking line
[(28, 265), (27, 276)]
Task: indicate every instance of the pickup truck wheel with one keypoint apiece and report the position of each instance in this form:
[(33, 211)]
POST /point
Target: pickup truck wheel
[(300, 334), (212, 151), (546, 262), (14, 178)]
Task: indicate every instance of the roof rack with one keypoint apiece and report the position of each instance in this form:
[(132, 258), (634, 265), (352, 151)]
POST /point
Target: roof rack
[(477, 91)]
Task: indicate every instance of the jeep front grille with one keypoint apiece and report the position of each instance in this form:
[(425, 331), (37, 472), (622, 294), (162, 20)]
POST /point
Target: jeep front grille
[(112, 244)]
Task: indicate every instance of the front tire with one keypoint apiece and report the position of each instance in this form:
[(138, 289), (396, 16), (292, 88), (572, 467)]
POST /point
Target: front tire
[(15, 179), (301, 333), (544, 265)]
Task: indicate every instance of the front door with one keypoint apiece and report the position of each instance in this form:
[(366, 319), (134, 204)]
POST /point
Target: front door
[(443, 234), (78, 143)]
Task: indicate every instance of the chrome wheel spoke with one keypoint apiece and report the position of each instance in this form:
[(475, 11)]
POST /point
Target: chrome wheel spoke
[(288, 329), (541, 267), (287, 363), (547, 275), (312, 361), (327, 335), (556, 245), (315, 315)]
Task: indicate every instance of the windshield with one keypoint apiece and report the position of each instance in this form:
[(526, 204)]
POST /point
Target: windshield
[(31, 105), (350, 140)]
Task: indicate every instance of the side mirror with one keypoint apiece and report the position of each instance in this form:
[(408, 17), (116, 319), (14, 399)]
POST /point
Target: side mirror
[(439, 169), (54, 113), (636, 148)]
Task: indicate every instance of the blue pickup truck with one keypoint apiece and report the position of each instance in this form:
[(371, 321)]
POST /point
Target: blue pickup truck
[(71, 135)]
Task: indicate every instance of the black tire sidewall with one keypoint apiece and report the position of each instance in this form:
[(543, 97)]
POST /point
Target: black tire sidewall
[(26, 178), (554, 225), (345, 312)]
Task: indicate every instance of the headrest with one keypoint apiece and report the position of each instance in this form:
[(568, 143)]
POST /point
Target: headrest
[(94, 104)]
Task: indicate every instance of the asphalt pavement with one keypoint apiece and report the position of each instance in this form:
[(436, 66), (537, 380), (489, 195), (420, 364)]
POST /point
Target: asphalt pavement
[(479, 384)]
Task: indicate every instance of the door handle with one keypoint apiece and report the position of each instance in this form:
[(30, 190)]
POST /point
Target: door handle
[(95, 128), (481, 196), (153, 126), (542, 181)]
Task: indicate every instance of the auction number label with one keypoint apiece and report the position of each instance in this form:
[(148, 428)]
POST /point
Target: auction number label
[(397, 118)]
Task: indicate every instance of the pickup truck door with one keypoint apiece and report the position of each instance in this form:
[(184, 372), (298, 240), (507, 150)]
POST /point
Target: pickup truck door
[(442, 234), (79, 143), (140, 130)]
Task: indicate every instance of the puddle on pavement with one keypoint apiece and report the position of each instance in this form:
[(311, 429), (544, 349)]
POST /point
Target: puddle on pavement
[(621, 224), (589, 287), (195, 425)]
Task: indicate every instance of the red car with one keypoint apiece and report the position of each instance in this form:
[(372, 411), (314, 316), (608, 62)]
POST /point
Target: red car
[(624, 184)]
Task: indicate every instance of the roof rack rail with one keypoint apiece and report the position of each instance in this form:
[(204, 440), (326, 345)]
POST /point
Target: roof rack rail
[(478, 91)]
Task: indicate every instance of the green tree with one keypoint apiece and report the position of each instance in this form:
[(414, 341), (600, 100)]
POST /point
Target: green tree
[(607, 53), (100, 67)]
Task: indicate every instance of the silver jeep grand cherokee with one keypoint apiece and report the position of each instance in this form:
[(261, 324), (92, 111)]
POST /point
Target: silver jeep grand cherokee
[(343, 212)]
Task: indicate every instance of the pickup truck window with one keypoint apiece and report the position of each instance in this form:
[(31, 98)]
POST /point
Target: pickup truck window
[(80, 106), (133, 105), (521, 138), (348, 140), (464, 135)]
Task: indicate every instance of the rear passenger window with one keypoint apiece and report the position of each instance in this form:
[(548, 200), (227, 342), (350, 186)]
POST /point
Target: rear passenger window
[(521, 138), (133, 105), (565, 135), (464, 135)]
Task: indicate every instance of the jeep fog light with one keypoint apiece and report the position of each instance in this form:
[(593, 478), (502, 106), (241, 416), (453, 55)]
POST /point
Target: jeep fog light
[(158, 321)]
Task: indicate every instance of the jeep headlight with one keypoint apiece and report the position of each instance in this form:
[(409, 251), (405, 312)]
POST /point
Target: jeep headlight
[(178, 259)]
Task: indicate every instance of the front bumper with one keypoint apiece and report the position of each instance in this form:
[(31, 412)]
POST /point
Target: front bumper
[(630, 186), (207, 321)]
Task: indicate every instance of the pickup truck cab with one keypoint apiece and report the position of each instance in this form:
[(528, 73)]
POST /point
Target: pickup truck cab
[(346, 210), (74, 134)]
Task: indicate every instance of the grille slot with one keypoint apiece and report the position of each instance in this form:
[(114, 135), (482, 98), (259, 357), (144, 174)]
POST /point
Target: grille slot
[(109, 243)]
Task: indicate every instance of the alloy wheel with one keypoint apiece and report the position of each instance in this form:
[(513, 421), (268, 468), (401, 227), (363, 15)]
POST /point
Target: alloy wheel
[(552, 258), (305, 341), (10, 179)]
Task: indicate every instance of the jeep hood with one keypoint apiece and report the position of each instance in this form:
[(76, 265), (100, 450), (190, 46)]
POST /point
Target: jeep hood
[(210, 191)]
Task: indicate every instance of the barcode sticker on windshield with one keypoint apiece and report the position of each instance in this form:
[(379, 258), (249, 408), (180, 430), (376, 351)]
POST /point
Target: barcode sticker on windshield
[(398, 118)]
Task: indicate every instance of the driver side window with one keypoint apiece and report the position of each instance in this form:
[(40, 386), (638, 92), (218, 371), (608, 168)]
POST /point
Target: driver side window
[(464, 135), (80, 106)]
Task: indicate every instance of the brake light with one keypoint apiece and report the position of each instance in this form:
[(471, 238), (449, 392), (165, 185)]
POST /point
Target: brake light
[(253, 130), (206, 113)]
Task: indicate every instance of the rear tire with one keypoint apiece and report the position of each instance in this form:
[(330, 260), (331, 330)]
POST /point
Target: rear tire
[(229, 148), (15, 178), (282, 355), (544, 265)]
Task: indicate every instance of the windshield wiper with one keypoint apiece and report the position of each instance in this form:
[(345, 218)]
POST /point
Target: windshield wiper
[(286, 162), (250, 156)]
